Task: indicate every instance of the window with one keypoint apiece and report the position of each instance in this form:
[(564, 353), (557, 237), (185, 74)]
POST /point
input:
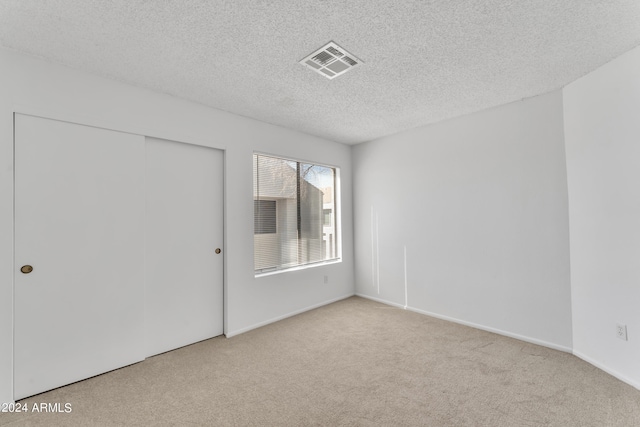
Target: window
[(264, 216), (328, 214), (294, 213)]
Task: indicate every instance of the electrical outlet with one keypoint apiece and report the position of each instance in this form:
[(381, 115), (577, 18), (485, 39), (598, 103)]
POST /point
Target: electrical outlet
[(326, 279), (621, 331)]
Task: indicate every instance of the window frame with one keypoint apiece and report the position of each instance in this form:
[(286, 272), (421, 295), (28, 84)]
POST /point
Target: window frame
[(337, 221)]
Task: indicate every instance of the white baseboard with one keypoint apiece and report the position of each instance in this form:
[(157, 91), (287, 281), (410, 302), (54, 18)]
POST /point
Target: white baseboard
[(380, 300), (618, 375), (230, 334), (474, 325)]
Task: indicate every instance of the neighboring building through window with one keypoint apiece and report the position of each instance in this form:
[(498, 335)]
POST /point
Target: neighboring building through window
[(294, 213), (264, 216)]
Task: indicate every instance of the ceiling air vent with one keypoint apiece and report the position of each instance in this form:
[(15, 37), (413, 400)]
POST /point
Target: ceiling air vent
[(331, 61)]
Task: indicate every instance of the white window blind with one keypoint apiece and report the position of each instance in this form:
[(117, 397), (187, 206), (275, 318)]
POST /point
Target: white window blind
[(294, 213)]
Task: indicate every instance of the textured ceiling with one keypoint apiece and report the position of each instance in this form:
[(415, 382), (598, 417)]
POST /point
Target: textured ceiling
[(424, 61)]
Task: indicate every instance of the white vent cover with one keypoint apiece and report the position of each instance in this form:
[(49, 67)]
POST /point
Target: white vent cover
[(331, 61)]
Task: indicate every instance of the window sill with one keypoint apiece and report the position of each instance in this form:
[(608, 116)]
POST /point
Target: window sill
[(298, 268)]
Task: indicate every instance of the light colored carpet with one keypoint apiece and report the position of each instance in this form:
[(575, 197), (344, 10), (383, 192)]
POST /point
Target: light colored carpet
[(351, 363)]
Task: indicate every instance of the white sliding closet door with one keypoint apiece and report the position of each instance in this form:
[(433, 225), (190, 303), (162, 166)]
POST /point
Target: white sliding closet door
[(184, 227), (79, 222)]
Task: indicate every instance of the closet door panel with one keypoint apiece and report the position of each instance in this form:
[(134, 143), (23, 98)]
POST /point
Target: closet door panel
[(79, 225), (184, 227)]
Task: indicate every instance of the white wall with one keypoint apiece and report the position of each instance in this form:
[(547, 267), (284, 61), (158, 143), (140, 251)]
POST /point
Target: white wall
[(602, 131), (479, 204), (33, 86)]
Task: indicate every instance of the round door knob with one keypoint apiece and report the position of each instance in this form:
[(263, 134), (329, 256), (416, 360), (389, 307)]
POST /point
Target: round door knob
[(26, 269), (218, 250)]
